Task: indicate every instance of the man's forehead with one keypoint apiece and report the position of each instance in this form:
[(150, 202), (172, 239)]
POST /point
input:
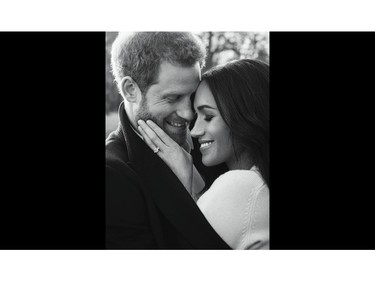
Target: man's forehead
[(167, 69), (177, 79)]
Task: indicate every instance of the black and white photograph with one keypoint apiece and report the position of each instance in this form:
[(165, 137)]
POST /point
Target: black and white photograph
[(187, 101)]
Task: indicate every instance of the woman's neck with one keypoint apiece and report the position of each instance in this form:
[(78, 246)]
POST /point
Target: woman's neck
[(242, 162)]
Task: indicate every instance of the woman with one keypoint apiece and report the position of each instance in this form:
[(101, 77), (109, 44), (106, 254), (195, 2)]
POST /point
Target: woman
[(232, 127)]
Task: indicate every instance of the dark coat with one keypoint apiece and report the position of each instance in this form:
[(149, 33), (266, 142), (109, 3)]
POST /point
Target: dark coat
[(146, 205)]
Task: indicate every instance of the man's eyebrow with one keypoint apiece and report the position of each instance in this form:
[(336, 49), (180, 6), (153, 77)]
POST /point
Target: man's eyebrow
[(172, 93), (205, 106)]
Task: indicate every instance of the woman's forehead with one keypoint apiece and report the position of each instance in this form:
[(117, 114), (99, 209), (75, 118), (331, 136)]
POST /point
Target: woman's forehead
[(204, 96)]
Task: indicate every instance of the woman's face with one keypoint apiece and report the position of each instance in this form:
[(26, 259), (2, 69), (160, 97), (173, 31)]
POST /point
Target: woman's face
[(210, 129)]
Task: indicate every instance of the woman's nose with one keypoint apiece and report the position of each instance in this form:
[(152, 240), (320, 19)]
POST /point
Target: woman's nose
[(197, 130)]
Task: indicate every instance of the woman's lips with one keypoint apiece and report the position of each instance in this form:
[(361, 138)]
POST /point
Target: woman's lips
[(205, 145)]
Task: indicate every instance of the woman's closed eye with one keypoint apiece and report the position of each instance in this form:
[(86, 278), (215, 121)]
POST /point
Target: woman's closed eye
[(208, 117)]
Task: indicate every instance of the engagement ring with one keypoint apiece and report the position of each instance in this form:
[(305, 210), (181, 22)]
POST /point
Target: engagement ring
[(156, 149)]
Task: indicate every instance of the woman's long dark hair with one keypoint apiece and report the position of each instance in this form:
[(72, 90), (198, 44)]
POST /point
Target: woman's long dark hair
[(241, 92)]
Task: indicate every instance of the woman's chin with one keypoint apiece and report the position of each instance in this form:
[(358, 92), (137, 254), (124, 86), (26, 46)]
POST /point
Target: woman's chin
[(208, 162)]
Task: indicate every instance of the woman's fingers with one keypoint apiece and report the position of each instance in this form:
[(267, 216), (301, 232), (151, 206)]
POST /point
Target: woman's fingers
[(160, 133), (151, 139), (147, 139), (178, 160)]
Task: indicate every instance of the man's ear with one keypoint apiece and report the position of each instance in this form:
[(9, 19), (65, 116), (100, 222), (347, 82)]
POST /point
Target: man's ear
[(130, 90)]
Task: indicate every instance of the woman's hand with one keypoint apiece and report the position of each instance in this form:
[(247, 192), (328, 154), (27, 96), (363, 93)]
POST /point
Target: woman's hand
[(177, 159)]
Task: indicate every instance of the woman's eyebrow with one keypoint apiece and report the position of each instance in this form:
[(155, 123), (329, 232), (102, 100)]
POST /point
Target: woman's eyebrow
[(205, 106)]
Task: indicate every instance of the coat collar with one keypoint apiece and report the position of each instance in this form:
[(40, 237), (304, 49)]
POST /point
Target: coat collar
[(170, 196)]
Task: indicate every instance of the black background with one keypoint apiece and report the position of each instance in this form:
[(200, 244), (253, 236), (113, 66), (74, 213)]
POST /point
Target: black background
[(53, 123), (322, 87), (54, 132)]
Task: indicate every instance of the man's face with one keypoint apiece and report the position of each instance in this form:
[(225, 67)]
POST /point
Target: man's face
[(167, 102)]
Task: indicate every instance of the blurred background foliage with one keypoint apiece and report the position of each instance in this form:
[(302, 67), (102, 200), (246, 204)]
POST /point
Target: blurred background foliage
[(221, 48)]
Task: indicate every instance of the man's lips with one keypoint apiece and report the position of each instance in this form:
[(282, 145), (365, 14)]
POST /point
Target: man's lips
[(177, 124)]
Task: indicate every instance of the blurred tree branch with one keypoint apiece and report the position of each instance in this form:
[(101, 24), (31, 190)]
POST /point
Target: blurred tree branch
[(226, 46)]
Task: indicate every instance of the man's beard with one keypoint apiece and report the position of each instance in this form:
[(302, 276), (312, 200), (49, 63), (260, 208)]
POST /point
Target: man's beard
[(144, 114)]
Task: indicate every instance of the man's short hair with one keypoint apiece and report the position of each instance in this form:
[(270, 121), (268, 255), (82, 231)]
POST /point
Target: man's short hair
[(140, 54)]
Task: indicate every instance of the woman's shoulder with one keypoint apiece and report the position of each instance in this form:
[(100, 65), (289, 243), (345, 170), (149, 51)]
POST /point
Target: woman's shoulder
[(247, 179), (235, 185)]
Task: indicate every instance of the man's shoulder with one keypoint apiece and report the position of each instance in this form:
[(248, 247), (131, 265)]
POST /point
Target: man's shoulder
[(116, 151), (119, 171)]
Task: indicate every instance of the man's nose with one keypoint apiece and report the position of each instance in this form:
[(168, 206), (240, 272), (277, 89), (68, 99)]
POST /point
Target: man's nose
[(185, 110)]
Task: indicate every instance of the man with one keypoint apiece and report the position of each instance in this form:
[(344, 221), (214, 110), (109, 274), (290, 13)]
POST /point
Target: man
[(146, 205)]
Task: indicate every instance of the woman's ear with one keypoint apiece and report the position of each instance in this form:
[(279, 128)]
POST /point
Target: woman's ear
[(130, 90)]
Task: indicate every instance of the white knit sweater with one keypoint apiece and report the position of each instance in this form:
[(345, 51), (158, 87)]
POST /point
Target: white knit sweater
[(237, 207)]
